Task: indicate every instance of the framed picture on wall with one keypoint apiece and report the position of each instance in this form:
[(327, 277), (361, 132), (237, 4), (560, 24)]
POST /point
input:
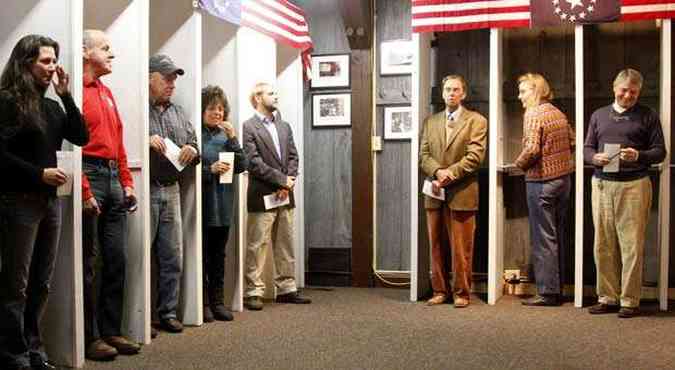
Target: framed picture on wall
[(396, 57), (330, 71), (332, 110), (398, 123)]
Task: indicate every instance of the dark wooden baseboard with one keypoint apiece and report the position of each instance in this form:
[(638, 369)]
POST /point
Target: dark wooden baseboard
[(329, 267)]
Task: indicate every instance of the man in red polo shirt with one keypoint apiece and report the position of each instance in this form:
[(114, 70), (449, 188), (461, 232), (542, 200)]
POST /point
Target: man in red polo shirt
[(108, 194)]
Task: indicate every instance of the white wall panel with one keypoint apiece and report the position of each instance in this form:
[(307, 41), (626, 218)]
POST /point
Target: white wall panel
[(219, 58), (176, 31), (126, 24), (58, 20), (256, 62), (290, 88)]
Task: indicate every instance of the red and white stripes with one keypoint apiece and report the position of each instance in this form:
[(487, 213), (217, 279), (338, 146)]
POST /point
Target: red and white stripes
[(282, 21), (457, 15)]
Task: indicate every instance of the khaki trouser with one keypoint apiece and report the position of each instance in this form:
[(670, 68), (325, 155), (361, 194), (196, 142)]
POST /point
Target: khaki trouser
[(620, 216), (265, 228)]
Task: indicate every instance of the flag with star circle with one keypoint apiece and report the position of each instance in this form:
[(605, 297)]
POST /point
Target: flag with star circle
[(570, 12)]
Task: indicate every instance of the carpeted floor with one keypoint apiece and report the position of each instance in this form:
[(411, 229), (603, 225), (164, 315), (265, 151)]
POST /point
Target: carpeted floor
[(350, 328)]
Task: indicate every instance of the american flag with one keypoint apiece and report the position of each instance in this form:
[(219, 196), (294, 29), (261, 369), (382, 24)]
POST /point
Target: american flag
[(458, 15), (637, 10), (279, 19)]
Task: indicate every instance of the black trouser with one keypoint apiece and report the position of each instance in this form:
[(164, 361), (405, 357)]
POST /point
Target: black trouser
[(105, 239), (214, 240), (30, 226)]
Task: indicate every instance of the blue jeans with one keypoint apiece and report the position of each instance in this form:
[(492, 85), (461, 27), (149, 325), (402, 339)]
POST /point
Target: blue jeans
[(105, 238), (167, 242), (548, 203), (30, 226)]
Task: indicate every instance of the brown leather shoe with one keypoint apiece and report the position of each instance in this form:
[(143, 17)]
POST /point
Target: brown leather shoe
[(172, 325), (628, 312), (461, 302), (438, 298), (123, 345), (293, 297), (602, 308), (99, 350)]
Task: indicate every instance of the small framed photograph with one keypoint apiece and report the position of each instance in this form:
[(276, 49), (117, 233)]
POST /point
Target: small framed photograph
[(330, 71), (398, 123), (396, 57), (332, 110)]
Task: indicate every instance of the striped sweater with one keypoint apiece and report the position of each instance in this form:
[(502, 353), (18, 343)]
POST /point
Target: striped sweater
[(548, 142)]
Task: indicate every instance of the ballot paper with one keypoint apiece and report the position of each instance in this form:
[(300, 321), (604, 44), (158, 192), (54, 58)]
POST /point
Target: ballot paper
[(427, 189), (271, 201), (64, 161), (613, 153), (227, 157), (172, 153)]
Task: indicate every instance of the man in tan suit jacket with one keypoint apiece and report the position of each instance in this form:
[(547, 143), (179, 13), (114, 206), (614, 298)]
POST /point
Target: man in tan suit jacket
[(451, 149)]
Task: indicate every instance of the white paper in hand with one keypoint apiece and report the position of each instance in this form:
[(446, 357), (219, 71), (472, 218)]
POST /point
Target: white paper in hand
[(271, 201), (613, 152), (172, 153), (64, 161), (428, 189), (227, 157)]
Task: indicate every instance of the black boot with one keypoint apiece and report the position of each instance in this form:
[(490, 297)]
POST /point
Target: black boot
[(216, 302)]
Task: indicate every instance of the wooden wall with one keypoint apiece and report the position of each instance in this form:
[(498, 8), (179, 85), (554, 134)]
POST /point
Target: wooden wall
[(608, 48), (550, 52), (393, 162), (455, 57), (328, 169)]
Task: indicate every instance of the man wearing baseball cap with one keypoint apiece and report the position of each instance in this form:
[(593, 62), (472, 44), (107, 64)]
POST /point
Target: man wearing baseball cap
[(168, 121)]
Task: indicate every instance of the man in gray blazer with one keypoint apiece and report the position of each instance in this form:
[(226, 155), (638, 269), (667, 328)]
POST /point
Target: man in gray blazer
[(273, 168)]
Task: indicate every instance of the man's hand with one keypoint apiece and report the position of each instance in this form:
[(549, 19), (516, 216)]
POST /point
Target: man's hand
[(54, 176), (187, 155), (157, 143), (227, 127), (219, 167), (629, 155), (130, 199), (61, 83), (282, 194), (600, 159), (290, 182), (91, 207), (444, 176), (436, 187)]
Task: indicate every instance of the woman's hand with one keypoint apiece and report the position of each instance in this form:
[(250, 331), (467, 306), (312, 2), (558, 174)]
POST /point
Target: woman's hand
[(54, 176), (61, 84), (227, 127), (219, 167)]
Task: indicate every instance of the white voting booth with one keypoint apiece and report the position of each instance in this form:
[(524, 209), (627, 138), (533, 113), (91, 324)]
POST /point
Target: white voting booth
[(175, 30), (236, 58), (125, 24), (60, 20), (500, 137), (219, 57)]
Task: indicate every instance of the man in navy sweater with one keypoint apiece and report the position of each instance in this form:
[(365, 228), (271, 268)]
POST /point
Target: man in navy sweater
[(623, 140)]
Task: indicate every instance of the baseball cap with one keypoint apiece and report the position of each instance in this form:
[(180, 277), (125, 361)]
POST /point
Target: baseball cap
[(163, 64)]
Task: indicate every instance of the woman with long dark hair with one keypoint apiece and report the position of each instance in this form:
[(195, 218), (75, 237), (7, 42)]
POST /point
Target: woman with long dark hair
[(32, 129), (218, 135)]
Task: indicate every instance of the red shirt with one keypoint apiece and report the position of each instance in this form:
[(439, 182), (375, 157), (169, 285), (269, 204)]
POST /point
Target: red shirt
[(106, 139)]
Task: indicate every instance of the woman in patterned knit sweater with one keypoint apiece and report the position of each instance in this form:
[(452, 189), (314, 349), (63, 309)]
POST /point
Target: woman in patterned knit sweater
[(546, 159)]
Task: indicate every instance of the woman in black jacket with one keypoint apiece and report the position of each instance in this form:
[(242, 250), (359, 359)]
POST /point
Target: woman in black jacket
[(32, 129)]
